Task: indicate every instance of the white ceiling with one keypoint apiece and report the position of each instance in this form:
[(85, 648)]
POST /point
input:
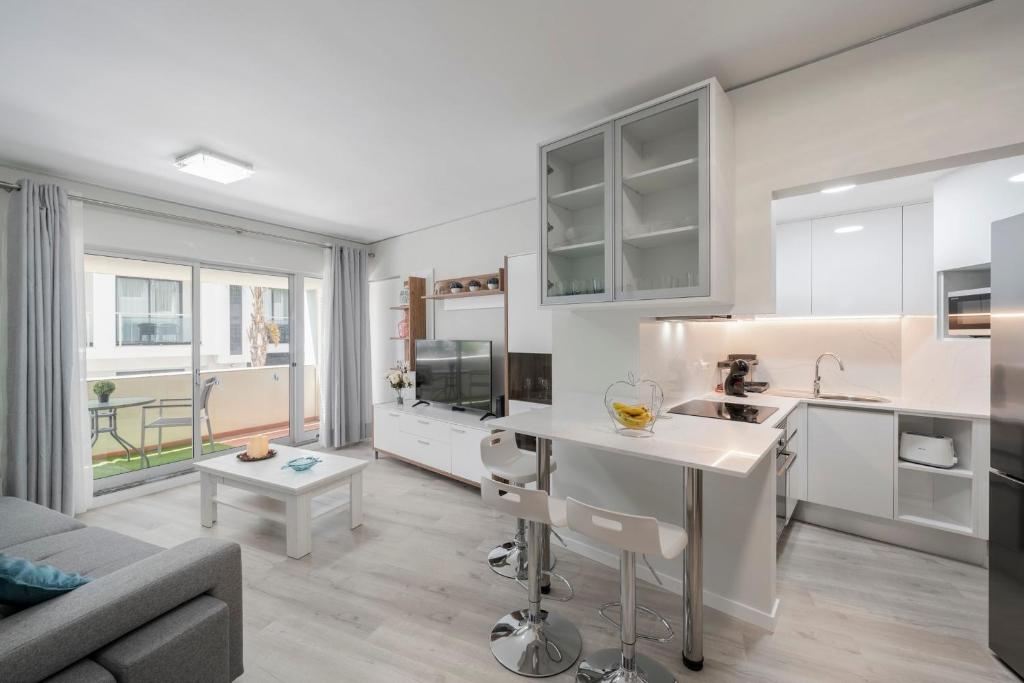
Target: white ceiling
[(370, 119), (883, 193)]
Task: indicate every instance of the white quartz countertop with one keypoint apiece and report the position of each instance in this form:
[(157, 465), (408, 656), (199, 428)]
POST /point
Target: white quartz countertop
[(893, 404), (718, 446)]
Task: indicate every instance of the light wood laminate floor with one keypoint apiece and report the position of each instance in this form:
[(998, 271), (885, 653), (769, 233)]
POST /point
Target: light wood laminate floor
[(407, 597)]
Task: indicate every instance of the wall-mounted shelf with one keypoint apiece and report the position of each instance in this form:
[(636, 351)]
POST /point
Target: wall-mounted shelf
[(442, 291), (416, 313), (403, 307)]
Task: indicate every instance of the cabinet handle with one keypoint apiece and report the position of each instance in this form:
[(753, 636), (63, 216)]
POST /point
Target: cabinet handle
[(458, 431), (423, 422), (425, 443), (394, 414)]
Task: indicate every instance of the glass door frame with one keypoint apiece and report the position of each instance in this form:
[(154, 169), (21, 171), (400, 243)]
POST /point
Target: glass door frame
[(608, 132), (296, 430), (702, 96)]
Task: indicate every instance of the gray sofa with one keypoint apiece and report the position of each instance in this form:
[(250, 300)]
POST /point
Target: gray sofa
[(150, 614)]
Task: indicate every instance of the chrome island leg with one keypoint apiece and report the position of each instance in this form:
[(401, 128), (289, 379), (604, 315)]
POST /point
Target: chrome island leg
[(544, 484), (693, 571)]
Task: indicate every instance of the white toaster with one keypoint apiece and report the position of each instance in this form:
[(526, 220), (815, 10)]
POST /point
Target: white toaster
[(936, 451)]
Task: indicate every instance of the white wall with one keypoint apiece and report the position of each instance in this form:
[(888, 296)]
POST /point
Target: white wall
[(3, 335), (468, 246)]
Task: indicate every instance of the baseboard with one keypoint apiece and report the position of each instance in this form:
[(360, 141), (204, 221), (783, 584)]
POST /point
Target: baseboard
[(674, 584), (968, 549), (145, 489)]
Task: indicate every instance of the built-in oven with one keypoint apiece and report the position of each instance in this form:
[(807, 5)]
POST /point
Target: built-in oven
[(968, 313), (785, 499)]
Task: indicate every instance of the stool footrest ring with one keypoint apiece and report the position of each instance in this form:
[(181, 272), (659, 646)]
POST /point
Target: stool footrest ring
[(669, 633)]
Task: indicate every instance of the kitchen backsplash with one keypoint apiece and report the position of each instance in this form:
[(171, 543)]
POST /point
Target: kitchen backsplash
[(896, 357)]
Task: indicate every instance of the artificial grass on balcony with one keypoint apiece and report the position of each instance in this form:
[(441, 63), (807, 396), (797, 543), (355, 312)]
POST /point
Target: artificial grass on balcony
[(120, 465)]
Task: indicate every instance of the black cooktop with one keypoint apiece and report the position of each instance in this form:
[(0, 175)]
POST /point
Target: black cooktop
[(737, 412)]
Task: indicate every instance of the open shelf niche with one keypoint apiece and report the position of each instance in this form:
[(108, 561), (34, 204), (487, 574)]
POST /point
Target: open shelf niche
[(416, 310), (442, 288), (933, 496)]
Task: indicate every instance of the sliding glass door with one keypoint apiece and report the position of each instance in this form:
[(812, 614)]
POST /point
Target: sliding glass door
[(189, 361), (245, 358), (139, 367)]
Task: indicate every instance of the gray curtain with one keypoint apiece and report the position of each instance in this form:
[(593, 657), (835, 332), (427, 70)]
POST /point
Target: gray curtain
[(346, 404), (39, 439)]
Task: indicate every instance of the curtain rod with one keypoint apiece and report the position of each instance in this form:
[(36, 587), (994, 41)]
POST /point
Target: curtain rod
[(12, 187)]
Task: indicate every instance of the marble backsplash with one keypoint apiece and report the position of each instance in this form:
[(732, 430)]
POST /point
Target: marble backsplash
[(895, 357)]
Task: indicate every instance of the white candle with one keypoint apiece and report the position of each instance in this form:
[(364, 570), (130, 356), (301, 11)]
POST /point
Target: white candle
[(258, 446)]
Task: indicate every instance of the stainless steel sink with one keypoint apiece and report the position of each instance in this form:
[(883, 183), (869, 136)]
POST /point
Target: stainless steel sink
[(856, 399)]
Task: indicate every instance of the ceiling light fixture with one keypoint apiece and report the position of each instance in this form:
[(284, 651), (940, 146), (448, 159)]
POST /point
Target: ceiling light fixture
[(848, 228), (1019, 178), (838, 188), (211, 166)]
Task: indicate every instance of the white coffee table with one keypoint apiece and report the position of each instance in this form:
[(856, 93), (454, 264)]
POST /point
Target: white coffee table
[(295, 489)]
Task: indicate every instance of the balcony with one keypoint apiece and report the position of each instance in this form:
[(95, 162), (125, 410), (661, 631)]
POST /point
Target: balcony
[(243, 403)]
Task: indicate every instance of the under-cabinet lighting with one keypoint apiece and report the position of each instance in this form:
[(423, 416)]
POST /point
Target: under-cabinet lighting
[(838, 188), (848, 228), (788, 318), (1019, 178), (211, 166), (694, 318)]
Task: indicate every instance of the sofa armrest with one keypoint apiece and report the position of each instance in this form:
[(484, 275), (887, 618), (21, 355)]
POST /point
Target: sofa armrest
[(41, 640)]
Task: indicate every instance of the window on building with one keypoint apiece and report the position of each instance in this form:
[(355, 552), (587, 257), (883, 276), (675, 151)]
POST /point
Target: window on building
[(149, 312), (276, 311), (235, 319)]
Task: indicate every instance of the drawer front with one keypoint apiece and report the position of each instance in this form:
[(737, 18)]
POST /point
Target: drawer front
[(466, 453), (429, 452), (425, 427), (387, 430)]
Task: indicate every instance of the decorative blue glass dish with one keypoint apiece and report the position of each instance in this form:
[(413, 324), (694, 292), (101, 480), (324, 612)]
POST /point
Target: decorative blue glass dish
[(301, 464)]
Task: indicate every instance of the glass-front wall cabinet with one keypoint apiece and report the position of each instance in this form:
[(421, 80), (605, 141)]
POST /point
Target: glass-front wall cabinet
[(626, 208), (577, 217), (661, 203)]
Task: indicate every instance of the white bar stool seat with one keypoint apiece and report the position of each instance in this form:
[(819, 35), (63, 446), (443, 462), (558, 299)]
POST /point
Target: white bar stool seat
[(500, 456), (632, 534), (532, 642)]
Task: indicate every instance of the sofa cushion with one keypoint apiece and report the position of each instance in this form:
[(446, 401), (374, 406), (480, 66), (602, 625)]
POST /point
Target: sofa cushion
[(82, 671), (26, 583), (189, 644), (91, 551), (24, 521)]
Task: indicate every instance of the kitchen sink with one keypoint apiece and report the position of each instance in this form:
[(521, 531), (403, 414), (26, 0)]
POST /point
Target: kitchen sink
[(798, 393), (857, 399)]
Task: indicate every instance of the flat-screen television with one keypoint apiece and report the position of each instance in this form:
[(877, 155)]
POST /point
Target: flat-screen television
[(454, 372)]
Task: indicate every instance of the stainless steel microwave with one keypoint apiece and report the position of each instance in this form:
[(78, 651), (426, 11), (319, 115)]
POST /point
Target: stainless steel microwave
[(968, 313)]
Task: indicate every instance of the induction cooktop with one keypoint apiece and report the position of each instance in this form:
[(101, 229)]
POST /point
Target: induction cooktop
[(723, 410)]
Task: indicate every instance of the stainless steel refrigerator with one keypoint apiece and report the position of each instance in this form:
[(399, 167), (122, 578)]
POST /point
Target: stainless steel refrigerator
[(1006, 478)]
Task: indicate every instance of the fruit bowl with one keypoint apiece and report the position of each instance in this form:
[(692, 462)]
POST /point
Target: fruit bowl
[(633, 405)]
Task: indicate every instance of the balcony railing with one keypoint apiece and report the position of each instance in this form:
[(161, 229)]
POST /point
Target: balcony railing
[(153, 329)]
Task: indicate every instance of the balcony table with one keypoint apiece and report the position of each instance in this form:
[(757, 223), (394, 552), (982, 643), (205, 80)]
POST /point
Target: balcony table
[(108, 411)]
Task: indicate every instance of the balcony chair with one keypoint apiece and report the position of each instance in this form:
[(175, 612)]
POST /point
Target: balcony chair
[(162, 421)]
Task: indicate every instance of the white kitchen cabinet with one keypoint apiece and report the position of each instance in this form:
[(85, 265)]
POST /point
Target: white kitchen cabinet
[(918, 260), (529, 325), (466, 463), (793, 268), (852, 451), (638, 207), (856, 264)]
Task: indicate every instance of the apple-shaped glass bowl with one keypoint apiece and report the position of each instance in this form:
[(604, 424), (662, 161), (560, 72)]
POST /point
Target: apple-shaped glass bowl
[(634, 405)]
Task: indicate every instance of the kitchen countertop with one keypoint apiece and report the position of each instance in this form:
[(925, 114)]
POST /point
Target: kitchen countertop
[(719, 446), (893, 404)]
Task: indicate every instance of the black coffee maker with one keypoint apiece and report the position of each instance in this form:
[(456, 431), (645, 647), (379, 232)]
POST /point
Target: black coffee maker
[(734, 383)]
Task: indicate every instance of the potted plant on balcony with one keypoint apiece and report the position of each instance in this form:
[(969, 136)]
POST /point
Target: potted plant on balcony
[(103, 389), (398, 378)]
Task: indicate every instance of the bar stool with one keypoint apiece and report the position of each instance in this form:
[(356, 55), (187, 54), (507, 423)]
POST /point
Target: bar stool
[(632, 534), (532, 642), (502, 458)]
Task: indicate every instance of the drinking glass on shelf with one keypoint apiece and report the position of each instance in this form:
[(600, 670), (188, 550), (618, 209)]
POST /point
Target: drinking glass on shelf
[(598, 286)]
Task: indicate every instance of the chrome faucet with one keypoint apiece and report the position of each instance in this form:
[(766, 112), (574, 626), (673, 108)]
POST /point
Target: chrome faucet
[(817, 371)]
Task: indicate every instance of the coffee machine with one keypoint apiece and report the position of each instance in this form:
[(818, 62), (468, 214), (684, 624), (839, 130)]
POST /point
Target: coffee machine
[(736, 379)]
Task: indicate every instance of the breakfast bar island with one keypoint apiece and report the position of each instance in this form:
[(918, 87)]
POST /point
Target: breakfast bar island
[(739, 514)]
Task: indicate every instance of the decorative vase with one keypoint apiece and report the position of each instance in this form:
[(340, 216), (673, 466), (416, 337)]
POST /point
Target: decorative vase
[(493, 283), (104, 398), (403, 326), (403, 296), (399, 401)]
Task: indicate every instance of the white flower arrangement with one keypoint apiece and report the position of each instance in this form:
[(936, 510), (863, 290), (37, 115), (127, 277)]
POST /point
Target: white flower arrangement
[(398, 378)]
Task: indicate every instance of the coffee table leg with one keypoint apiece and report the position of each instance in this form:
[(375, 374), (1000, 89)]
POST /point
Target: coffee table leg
[(355, 498), (299, 526), (207, 504)]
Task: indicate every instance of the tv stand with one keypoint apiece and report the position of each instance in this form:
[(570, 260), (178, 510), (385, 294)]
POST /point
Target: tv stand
[(421, 403), (487, 415)]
